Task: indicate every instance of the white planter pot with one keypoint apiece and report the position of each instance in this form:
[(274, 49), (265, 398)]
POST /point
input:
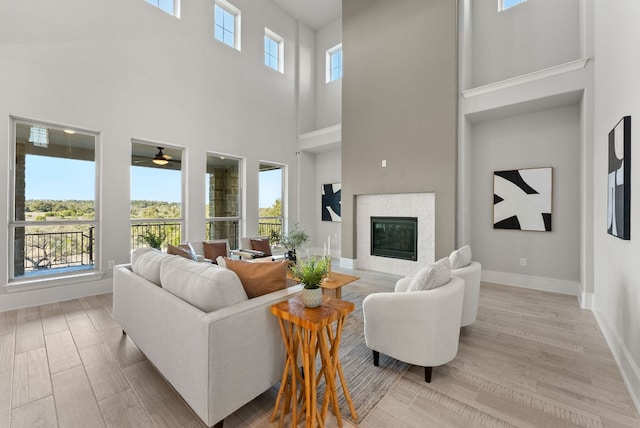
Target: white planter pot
[(312, 297)]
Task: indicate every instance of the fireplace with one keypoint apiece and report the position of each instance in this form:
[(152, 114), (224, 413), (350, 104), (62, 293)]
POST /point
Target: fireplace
[(395, 237)]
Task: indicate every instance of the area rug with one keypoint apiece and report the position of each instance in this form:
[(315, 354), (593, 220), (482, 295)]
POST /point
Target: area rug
[(367, 383)]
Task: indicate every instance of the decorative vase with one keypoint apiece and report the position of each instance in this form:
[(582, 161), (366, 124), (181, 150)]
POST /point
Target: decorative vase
[(312, 297), (291, 255)]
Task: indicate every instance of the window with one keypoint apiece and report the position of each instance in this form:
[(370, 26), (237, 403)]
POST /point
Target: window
[(156, 195), (53, 223), (334, 63), (227, 24), (271, 180), (172, 7), (224, 196), (506, 4), (273, 50)]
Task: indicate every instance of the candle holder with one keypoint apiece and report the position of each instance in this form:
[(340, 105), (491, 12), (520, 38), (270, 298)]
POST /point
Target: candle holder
[(328, 278)]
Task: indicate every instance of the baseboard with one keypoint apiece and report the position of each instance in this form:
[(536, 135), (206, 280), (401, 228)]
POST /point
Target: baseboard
[(348, 263), (586, 300), (628, 368), (44, 296), (552, 285)]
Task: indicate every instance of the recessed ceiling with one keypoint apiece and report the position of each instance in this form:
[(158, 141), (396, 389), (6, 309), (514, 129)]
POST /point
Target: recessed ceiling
[(315, 13)]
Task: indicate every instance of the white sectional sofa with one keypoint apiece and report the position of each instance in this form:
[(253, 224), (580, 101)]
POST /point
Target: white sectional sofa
[(217, 361)]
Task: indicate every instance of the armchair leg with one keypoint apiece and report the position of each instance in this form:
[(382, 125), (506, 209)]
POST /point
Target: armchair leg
[(376, 358), (219, 424), (427, 374)]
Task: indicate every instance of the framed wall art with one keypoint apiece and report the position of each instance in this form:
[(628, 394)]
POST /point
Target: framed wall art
[(522, 199), (619, 180), (331, 202)]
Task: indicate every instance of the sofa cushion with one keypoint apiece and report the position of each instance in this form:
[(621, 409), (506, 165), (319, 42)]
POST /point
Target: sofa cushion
[(146, 262), (212, 250), (183, 250), (260, 278), (432, 276), (205, 286), (261, 244), (461, 257)]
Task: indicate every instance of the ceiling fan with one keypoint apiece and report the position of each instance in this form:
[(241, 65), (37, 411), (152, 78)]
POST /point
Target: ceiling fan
[(160, 158)]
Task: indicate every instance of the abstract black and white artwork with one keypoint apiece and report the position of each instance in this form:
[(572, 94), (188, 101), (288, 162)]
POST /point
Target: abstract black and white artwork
[(522, 199), (619, 187), (331, 202)]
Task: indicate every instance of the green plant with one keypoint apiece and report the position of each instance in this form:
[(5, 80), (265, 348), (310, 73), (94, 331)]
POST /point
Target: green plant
[(310, 271), (152, 239), (295, 238)]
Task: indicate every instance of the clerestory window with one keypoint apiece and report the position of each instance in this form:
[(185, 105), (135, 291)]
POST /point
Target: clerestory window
[(227, 24), (273, 50), (507, 4), (334, 63), (172, 7)]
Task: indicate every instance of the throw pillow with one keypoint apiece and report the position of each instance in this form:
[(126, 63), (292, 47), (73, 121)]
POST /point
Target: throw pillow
[(432, 276), (203, 285), (221, 261), (179, 251), (261, 244), (260, 278), (460, 257), (212, 250), (189, 249)]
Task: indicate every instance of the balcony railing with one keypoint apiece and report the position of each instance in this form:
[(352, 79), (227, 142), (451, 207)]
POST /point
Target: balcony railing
[(55, 250), (157, 235), (271, 227), (224, 229)]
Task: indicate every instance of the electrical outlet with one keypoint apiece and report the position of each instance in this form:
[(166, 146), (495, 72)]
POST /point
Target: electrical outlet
[(110, 264), (523, 261)]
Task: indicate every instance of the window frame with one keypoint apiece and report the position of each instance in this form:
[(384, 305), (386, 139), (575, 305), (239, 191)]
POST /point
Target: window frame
[(176, 7), (329, 63), (279, 40), (240, 218), (183, 174), (237, 16), (502, 8), (68, 277), (284, 180)]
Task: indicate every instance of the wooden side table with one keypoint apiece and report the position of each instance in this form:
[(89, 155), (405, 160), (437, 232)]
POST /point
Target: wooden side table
[(309, 331)]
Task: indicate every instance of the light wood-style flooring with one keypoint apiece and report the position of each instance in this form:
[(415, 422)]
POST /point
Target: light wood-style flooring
[(532, 359)]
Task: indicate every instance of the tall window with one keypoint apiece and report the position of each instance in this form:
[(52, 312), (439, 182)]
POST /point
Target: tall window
[(53, 226), (334, 63), (224, 196), (271, 192), (172, 7), (227, 24), (506, 4), (273, 50), (156, 195)]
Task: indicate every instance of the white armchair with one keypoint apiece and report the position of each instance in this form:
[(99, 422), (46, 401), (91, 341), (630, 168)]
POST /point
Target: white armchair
[(417, 327), (471, 276)]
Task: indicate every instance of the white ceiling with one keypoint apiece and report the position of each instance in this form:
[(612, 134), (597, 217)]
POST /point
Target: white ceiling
[(315, 13)]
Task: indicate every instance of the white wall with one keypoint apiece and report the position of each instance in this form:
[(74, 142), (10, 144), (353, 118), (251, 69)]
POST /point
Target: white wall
[(548, 138), (126, 69), (328, 170), (328, 95), (616, 278), (534, 35)]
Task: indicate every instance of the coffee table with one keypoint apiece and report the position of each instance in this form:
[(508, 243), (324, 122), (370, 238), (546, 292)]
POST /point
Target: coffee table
[(333, 288)]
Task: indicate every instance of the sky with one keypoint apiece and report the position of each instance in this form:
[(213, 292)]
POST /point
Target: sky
[(147, 183)]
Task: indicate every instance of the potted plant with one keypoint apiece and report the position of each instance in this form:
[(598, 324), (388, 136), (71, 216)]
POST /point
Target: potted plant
[(152, 239), (292, 240), (310, 272)]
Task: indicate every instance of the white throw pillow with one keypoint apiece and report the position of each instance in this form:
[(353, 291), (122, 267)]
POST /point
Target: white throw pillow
[(432, 276), (221, 262), (206, 286), (146, 262), (460, 257)]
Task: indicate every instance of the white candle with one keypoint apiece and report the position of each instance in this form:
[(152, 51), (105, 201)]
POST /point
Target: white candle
[(324, 251), (329, 245)]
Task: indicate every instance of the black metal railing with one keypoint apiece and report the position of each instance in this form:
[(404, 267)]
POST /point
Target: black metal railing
[(271, 227), (224, 229), (156, 235), (52, 250)]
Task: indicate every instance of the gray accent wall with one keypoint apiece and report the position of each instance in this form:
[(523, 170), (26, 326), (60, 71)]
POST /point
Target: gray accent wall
[(399, 103), (548, 138)]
